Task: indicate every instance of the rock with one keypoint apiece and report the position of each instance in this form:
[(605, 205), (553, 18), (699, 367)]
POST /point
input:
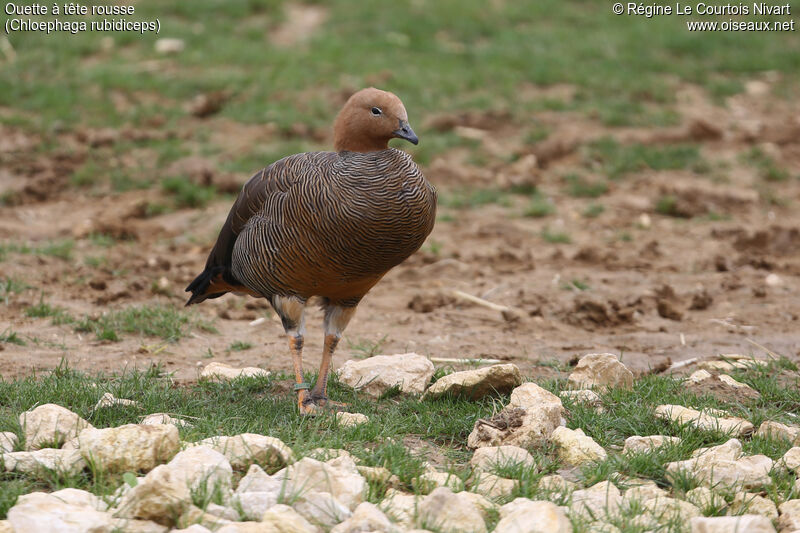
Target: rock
[(247, 448), (598, 501), (351, 419), (132, 447), (257, 480), (527, 516), (475, 384), (492, 486), (670, 510), (195, 515), (706, 500), (602, 527), (585, 396), (699, 375), (401, 507), (791, 459), (726, 524), (321, 508), (601, 370), (751, 392), (284, 519), (109, 400), (555, 483), (222, 372), (789, 519), (222, 511), (66, 462), (45, 513), (642, 492), (682, 415), (5, 527), (161, 496), (745, 502), (366, 517), (374, 376), (430, 480), (169, 46), (156, 419), (445, 511), (50, 424), (529, 419), (776, 430), (378, 474), (338, 476), (243, 527), (575, 448), (201, 467), (492, 457), (638, 444), (195, 528), (8, 441), (80, 498), (253, 504), (723, 467)]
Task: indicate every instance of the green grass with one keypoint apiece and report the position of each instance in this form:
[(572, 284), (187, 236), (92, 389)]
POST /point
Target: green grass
[(10, 286), (555, 236), (667, 205), (539, 207), (768, 169), (188, 194), (59, 315), (593, 210), (149, 320), (240, 346), (11, 337), (59, 249), (617, 159), (579, 187)]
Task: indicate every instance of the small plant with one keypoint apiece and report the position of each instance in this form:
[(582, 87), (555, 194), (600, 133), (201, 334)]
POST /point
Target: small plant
[(11, 337), (539, 207), (668, 205), (575, 285), (188, 194), (365, 347), (240, 346), (43, 309), (153, 321), (555, 237), (593, 210), (9, 286), (579, 187)]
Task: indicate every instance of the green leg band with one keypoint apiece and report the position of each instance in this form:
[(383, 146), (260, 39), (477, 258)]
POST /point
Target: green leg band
[(302, 386)]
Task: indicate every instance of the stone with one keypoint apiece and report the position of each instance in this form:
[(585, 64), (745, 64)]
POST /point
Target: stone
[(602, 527), (600, 370), (79, 498), (789, 519), (724, 467), (201, 467), (253, 504), (779, 431), (677, 413), (161, 496), (243, 527), (555, 483), (137, 526), (791, 459), (163, 418), (195, 528), (109, 400), (338, 476), (50, 424), (223, 372), (321, 508), (366, 517), (444, 510), (639, 444), (283, 519), (492, 486), (378, 474), (221, 511), (375, 375), (256, 480), (670, 510), (529, 516), (641, 492), (585, 396), (745, 502), (575, 448), (195, 515), (5, 527), (45, 513), (37, 462), (132, 447), (492, 457), (351, 419), (731, 524), (400, 507), (706, 500), (247, 448), (169, 45), (326, 454), (728, 380), (8, 442), (598, 501), (528, 420), (475, 384), (430, 480), (699, 375)]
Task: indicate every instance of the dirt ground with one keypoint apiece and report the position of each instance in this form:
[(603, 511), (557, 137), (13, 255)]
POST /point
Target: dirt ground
[(632, 281)]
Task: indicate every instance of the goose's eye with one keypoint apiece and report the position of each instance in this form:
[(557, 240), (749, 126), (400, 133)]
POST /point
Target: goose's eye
[(376, 111)]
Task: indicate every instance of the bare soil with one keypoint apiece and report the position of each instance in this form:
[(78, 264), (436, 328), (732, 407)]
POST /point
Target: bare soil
[(657, 287)]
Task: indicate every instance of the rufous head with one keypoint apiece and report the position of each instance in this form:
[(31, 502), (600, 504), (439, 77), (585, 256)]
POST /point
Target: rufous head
[(369, 119)]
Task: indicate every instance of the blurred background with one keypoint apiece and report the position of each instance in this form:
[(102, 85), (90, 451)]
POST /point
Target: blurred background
[(620, 183)]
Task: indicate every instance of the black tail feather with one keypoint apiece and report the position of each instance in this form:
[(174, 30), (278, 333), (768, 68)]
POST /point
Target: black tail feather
[(200, 285)]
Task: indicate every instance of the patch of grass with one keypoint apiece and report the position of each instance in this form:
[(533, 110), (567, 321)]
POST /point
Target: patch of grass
[(9, 286), (555, 237), (59, 315), (188, 194), (580, 187), (618, 159), (240, 346), (153, 321), (60, 249), (667, 205), (593, 210), (12, 337), (767, 168), (467, 199), (539, 207), (365, 347), (575, 285)]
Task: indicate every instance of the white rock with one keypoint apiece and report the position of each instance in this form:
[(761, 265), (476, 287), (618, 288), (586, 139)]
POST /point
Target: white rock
[(366, 517), (734, 426), (161, 496), (780, 431), (598, 501), (257, 480), (527, 516), (666, 510), (50, 424), (137, 526), (321, 508), (732, 524), (351, 419), (639, 444), (791, 459), (556, 484), (222, 511), (773, 280), (44, 513), (492, 457), (789, 519), (194, 515), (529, 419), (602, 527), (326, 454), (377, 474), (339, 477), (723, 466), (575, 448), (223, 372), (5, 527), (68, 462), (475, 384), (430, 480), (254, 504), (169, 45), (163, 418), (642, 492), (132, 447), (600, 370), (375, 375), (8, 441), (195, 528), (109, 400), (284, 519), (492, 486), (243, 527), (79, 498), (586, 396), (447, 511), (726, 379), (706, 499), (248, 448), (400, 507), (699, 375), (745, 502), (203, 467)]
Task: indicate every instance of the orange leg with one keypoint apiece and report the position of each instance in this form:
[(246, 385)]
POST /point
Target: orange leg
[(320, 391), (303, 399)]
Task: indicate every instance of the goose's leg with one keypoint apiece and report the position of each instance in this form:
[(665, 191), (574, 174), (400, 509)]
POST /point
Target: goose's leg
[(292, 313), (336, 319)]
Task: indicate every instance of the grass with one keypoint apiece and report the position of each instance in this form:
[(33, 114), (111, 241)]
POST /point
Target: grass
[(59, 315), (149, 320), (9, 286), (579, 187), (555, 237), (593, 210), (240, 346), (59, 249), (617, 159), (767, 168), (11, 337), (539, 207)]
